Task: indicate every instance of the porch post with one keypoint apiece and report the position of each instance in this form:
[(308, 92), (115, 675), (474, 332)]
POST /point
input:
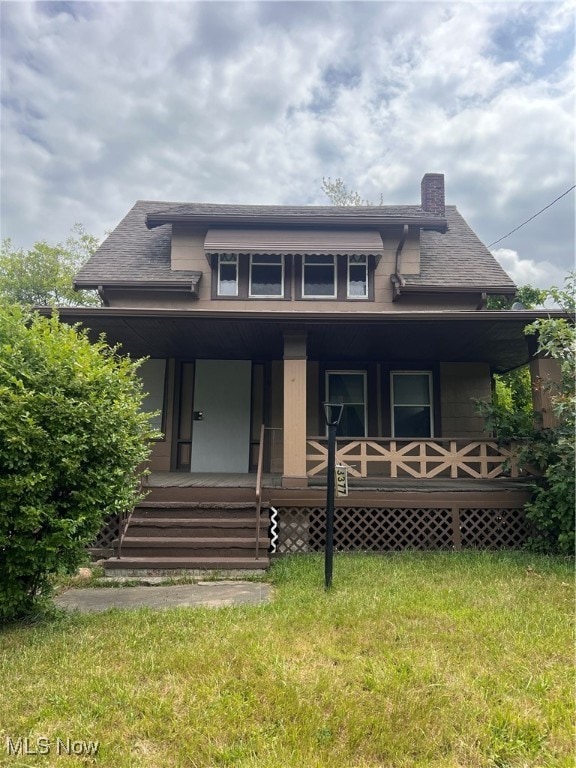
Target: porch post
[(294, 475), (545, 375)]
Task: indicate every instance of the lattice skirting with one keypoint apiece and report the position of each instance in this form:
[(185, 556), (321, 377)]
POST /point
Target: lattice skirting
[(374, 529), (108, 534)]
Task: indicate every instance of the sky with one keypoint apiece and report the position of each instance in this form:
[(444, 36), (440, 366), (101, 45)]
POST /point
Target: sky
[(105, 103)]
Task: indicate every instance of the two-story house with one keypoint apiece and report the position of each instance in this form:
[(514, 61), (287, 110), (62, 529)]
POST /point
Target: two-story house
[(254, 316)]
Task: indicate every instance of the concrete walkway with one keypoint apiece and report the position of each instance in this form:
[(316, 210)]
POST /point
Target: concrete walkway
[(211, 594)]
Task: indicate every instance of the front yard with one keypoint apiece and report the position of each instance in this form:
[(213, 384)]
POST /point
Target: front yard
[(411, 660)]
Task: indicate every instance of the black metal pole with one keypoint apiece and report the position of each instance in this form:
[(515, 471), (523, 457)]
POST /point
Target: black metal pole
[(329, 549)]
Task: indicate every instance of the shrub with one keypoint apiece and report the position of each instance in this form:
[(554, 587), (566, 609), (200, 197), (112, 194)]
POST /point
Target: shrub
[(71, 438), (552, 507)]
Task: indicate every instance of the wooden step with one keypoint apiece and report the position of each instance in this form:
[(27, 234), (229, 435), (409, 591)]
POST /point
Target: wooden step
[(197, 504), (198, 522), (198, 512), (188, 563), (195, 531), (189, 541), (200, 495)]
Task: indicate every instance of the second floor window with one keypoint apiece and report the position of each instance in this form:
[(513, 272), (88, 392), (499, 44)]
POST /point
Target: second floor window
[(319, 277), (357, 277), (266, 277), (227, 274)]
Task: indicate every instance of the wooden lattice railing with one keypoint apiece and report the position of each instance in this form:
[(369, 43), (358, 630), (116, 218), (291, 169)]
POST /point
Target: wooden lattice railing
[(393, 457)]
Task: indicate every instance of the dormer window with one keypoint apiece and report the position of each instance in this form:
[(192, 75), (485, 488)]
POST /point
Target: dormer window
[(357, 277), (228, 274), (266, 277), (319, 277)]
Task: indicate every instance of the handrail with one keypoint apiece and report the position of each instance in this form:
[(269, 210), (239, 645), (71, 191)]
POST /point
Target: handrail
[(124, 518), (259, 473)]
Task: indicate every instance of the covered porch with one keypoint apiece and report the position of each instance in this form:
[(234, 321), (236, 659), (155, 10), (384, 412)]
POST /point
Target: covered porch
[(221, 375), (225, 375)]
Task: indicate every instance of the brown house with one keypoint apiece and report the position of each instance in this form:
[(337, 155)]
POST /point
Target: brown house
[(253, 317)]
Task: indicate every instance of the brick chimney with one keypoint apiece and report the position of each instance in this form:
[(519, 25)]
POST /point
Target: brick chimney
[(432, 189)]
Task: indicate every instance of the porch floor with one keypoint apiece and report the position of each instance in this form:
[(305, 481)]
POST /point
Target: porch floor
[(401, 484), (210, 480)]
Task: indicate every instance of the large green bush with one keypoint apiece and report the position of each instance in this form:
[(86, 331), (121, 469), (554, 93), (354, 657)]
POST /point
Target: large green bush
[(551, 510), (72, 435)]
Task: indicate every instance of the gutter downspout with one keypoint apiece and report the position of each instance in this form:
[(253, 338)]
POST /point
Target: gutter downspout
[(396, 279)]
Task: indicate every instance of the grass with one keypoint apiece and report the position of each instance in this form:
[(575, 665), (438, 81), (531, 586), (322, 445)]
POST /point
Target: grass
[(411, 660)]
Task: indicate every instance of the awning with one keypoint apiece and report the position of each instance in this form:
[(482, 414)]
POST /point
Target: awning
[(294, 241)]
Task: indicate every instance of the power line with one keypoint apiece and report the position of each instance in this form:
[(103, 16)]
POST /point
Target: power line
[(531, 217)]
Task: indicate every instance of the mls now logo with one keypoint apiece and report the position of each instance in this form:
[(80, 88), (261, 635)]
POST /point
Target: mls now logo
[(45, 746)]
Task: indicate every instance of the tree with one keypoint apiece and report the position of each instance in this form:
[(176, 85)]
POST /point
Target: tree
[(527, 295), (513, 390), (552, 451), (72, 435), (339, 194), (43, 275)]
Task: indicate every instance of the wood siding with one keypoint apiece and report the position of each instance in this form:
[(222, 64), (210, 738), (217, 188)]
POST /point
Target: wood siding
[(460, 385)]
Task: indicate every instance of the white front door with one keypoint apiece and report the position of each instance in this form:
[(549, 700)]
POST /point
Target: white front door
[(221, 426)]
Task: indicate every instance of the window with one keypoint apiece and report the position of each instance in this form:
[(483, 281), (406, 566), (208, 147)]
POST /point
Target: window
[(266, 277), (349, 389), (228, 274), (412, 404), (152, 373), (319, 277), (357, 277)]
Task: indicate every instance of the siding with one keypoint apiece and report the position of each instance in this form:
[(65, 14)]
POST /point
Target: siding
[(460, 385)]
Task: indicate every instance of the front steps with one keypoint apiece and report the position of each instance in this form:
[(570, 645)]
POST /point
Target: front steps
[(188, 536)]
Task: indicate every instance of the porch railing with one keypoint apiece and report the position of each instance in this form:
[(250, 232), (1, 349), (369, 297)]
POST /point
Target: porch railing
[(394, 457), (259, 473)]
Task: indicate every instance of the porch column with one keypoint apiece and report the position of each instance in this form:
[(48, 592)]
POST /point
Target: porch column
[(294, 475), (546, 379)]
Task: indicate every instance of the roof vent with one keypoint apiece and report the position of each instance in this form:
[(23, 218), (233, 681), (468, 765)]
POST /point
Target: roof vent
[(432, 189)]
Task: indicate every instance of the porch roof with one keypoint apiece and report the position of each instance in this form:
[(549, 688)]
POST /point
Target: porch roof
[(493, 337)]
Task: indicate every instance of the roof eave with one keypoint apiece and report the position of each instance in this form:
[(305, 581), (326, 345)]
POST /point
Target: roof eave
[(186, 283), (437, 223), (261, 315), (499, 290)]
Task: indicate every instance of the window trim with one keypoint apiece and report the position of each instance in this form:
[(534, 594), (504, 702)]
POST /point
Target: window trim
[(278, 296), (327, 297), (430, 405), (350, 372)]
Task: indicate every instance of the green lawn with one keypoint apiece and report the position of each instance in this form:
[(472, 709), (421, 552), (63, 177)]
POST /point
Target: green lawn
[(411, 660)]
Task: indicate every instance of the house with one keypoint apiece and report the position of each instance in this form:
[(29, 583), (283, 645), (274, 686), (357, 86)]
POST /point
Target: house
[(253, 316)]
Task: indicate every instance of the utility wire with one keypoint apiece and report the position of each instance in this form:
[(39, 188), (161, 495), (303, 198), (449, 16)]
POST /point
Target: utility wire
[(531, 217)]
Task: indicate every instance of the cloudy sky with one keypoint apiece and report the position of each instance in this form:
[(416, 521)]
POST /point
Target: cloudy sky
[(104, 103)]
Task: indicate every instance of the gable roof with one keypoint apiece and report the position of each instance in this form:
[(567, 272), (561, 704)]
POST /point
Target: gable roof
[(137, 252)]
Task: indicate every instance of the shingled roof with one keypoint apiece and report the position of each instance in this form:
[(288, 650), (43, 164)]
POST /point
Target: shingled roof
[(133, 253), (457, 258), (137, 252), (302, 215)]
